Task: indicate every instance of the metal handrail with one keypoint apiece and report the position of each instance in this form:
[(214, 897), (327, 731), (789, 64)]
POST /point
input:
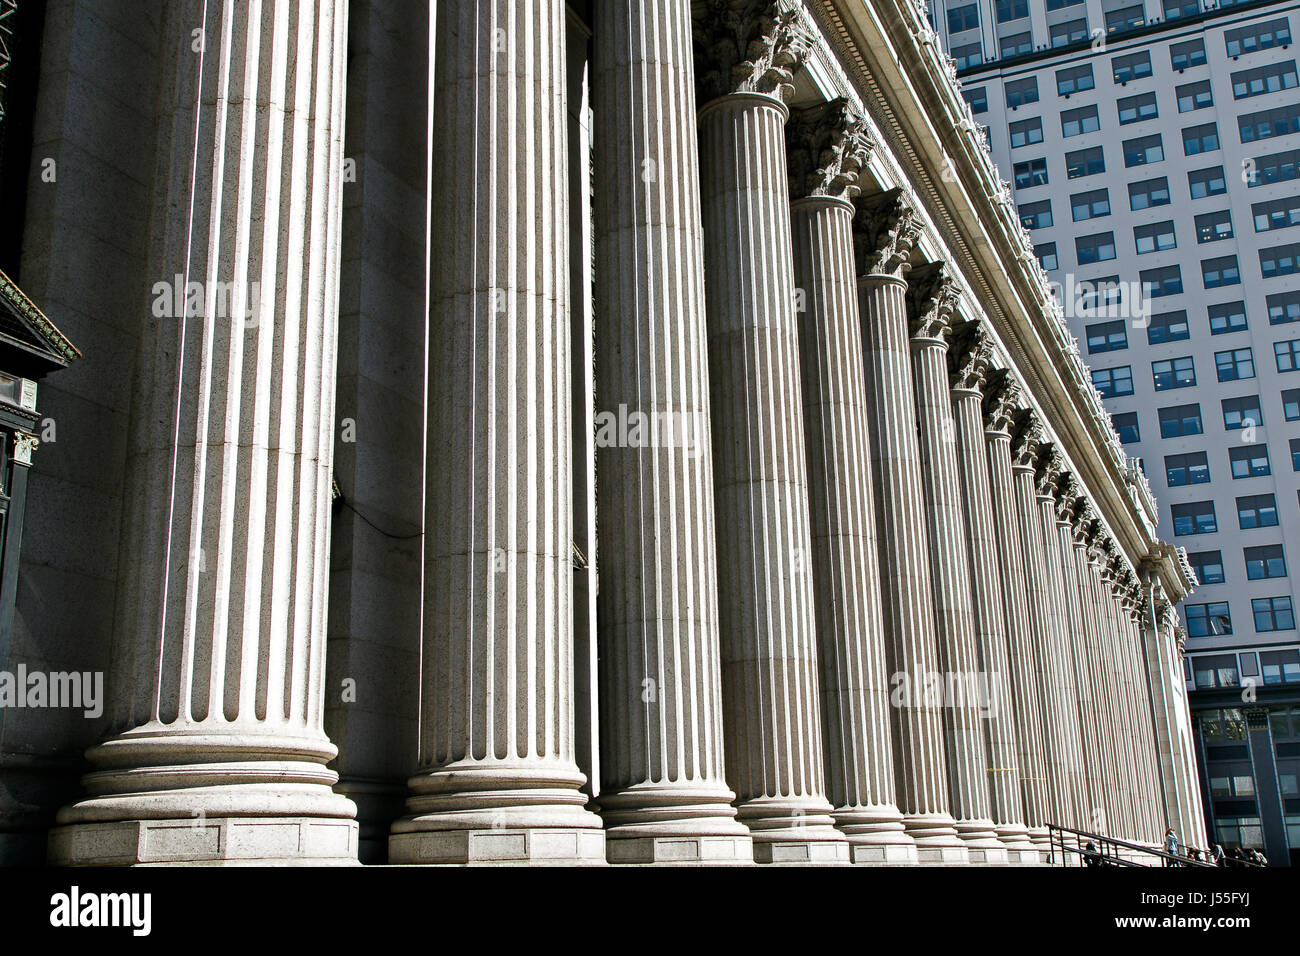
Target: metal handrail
[(1105, 850)]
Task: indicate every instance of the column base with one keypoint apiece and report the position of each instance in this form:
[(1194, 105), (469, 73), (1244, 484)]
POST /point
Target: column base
[(663, 823), (556, 846), (207, 841), (937, 842), (794, 830), (681, 851), (876, 835), (471, 812), (982, 843)]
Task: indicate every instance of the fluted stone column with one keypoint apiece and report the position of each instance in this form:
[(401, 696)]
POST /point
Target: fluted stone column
[(1102, 688), (771, 712), (1001, 406), (1026, 448), (1083, 635), (218, 658), (969, 364), (884, 235), (663, 790), (1118, 708), (828, 145), (933, 296), (497, 778), (1064, 633)]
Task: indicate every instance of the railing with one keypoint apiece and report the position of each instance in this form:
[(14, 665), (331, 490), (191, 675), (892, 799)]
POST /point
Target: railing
[(1081, 848)]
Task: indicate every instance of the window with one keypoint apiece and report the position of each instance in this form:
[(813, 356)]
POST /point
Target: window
[(1213, 226), (1096, 248), (1200, 139), (1021, 92), (1148, 193), (1220, 272), (1276, 213), (1204, 620), (1295, 454), (1085, 162), (1090, 205), (1082, 120), (1279, 667), (1273, 78), (1167, 280), (1208, 566), (1107, 336), (1026, 132), (1190, 469), (1156, 237), (1103, 291), (1061, 4), (1185, 55), (1196, 517), (1113, 382), (1283, 307), (1234, 364), (1241, 412), (1278, 121), (1032, 172), (1135, 66), (978, 99), (966, 17), (1076, 79), (1227, 317), (1279, 260), (1144, 150), (1272, 614), (1249, 461), (1168, 327), (1125, 19), (1173, 373), (1071, 31), (1273, 168), (1133, 109), (1126, 426), (1256, 511), (968, 54), (1265, 561), (1287, 355), (1181, 8), (1206, 182), (1036, 215), (1291, 404), (1047, 258), (1179, 421), (1008, 10), (1016, 44), (1257, 36), (1194, 96)]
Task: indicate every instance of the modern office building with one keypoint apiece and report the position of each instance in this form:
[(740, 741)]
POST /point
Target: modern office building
[(1154, 150)]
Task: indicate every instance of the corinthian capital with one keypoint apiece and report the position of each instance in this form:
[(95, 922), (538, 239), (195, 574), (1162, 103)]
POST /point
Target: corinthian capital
[(1050, 466), (749, 46), (1003, 401), (1067, 495), (826, 148), (883, 235), (970, 356), (1027, 443), (932, 293)]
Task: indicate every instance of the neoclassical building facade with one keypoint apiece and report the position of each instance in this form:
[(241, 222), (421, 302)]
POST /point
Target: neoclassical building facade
[(517, 431)]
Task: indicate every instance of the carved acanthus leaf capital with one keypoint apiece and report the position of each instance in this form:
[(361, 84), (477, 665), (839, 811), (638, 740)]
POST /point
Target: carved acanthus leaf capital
[(1027, 442), (970, 356), (932, 293), (1050, 466), (1003, 401), (883, 235), (750, 46), (827, 147)]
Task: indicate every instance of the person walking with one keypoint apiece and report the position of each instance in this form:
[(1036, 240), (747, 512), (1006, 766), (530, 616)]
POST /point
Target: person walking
[(1171, 846)]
